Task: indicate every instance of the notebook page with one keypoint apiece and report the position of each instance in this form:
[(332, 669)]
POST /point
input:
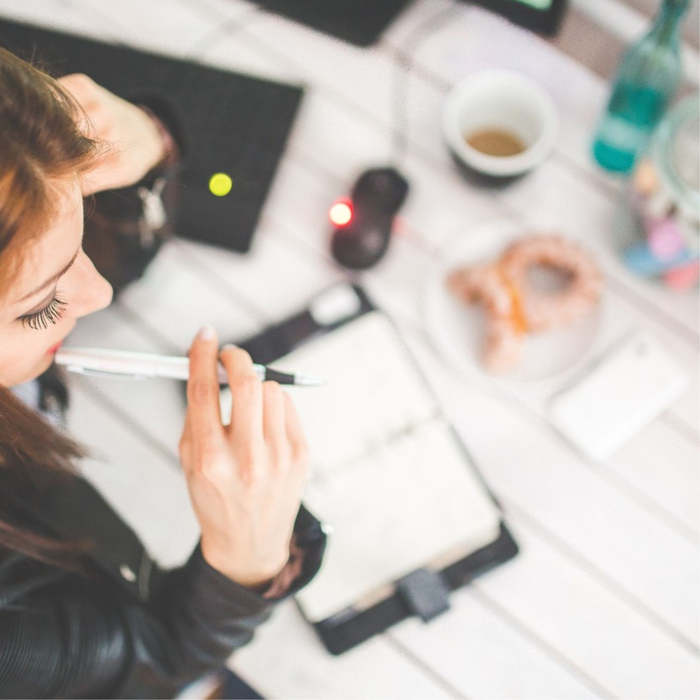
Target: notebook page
[(371, 392), (387, 473), (392, 513)]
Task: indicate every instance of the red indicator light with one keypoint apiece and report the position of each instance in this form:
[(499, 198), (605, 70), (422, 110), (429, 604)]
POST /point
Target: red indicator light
[(341, 213)]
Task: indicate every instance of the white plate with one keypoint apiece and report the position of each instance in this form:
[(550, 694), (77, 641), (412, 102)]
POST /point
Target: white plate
[(457, 329)]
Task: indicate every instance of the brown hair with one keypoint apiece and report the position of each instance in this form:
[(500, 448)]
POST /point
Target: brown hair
[(39, 140)]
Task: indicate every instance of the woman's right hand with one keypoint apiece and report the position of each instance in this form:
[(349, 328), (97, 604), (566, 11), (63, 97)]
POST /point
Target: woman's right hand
[(135, 145), (245, 479)]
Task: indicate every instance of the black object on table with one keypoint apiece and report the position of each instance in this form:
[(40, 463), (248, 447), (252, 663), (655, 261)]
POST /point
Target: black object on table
[(375, 199), (362, 23), (226, 122), (423, 593), (359, 23), (543, 16)]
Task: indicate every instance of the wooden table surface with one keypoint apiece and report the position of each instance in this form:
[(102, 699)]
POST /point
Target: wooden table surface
[(604, 599)]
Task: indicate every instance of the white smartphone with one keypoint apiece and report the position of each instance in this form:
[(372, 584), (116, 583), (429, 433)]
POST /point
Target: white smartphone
[(625, 390)]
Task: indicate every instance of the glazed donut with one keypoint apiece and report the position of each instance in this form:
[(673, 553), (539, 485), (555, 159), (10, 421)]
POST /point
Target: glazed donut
[(481, 283), (513, 307), (541, 309), (504, 337)]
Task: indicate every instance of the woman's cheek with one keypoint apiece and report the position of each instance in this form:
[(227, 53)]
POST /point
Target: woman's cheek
[(23, 356)]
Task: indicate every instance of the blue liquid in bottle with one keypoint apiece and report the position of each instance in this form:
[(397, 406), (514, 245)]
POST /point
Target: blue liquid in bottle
[(647, 79), (633, 112)]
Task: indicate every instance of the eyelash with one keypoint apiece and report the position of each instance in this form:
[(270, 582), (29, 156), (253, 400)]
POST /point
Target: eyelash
[(50, 314)]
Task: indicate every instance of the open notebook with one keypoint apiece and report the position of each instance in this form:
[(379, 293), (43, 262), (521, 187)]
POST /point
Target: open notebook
[(388, 474)]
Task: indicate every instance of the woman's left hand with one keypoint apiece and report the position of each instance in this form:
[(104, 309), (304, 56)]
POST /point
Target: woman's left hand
[(134, 144)]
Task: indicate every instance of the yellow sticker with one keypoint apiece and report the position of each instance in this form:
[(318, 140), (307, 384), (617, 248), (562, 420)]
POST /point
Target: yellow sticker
[(220, 184)]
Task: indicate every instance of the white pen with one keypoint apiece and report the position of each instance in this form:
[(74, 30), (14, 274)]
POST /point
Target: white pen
[(141, 365)]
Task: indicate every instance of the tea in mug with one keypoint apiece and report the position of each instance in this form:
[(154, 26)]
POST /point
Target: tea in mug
[(496, 142)]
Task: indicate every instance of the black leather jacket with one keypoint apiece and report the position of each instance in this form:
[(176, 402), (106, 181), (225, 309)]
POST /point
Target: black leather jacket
[(127, 628)]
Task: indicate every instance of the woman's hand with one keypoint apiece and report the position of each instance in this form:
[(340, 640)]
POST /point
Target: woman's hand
[(133, 140), (245, 479)]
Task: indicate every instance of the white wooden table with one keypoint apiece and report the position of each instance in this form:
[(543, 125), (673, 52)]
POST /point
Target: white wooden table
[(604, 599)]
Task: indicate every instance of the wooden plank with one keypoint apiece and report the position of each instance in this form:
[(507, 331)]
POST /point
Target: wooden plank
[(176, 28), (223, 12), (630, 25), (665, 467), (691, 25), (588, 43), (286, 660), (57, 15), (481, 652), (174, 299), (600, 633), (277, 279), (550, 603)]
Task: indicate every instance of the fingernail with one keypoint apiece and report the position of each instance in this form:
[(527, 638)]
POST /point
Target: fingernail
[(228, 346), (206, 332)]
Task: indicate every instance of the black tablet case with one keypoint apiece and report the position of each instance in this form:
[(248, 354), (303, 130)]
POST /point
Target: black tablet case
[(228, 122), (359, 23), (425, 594), (545, 21)]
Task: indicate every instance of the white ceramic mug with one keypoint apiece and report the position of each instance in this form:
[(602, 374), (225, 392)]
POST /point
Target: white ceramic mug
[(497, 99)]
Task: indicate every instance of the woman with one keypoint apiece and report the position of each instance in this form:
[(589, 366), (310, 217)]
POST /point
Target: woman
[(83, 609)]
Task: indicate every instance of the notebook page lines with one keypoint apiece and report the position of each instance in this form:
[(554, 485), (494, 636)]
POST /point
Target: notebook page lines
[(372, 392)]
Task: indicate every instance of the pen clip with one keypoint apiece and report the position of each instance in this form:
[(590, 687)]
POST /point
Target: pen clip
[(103, 373)]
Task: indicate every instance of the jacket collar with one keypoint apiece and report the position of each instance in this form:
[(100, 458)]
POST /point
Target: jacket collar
[(72, 509)]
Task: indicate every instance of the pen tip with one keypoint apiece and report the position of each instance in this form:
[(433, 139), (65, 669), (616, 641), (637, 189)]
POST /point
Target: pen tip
[(305, 380)]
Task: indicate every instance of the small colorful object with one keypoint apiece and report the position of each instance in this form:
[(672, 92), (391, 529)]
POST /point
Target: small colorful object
[(220, 184), (684, 276), (665, 197)]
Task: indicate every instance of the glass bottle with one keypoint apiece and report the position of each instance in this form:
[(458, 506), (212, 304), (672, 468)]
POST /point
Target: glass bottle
[(646, 80), (664, 195)]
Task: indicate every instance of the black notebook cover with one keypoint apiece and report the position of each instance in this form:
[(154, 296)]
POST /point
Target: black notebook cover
[(228, 122)]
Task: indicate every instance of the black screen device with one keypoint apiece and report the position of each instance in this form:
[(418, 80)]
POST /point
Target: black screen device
[(228, 123), (375, 199), (542, 16), (359, 23)]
